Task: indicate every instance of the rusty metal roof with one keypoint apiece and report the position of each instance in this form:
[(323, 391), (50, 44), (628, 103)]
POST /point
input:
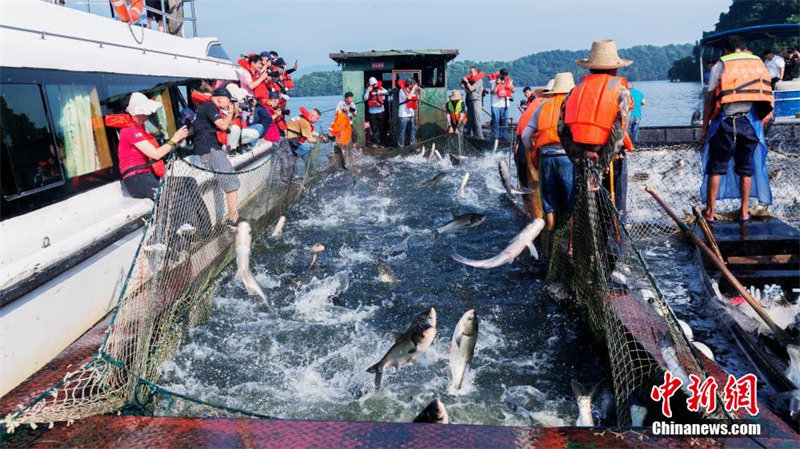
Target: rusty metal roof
[(448, 54)]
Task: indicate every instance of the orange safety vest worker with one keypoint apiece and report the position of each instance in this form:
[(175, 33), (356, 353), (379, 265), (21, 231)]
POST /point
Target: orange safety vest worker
[(592, 107), (547, 126), (527, 114), (744, 77), (130, 14)]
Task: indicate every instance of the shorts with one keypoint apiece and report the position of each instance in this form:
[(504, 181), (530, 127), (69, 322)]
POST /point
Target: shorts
[(557, 183), (735, 138), (142, 185), (218, 162), (156, 4)]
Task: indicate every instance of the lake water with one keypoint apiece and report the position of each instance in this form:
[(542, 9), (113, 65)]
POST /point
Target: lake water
[(668, 104)]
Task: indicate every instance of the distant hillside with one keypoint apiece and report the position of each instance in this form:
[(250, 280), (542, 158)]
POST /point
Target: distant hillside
[(317, 84)]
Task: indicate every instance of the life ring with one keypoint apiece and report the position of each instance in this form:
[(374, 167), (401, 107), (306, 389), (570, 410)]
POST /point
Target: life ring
[(128, 13)]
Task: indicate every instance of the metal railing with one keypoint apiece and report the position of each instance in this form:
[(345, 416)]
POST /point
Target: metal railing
[(174, 22)]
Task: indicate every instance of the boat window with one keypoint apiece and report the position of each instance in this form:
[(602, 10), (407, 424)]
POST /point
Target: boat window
[(79, 130), (29, 159), (160, 125), (216, 51)]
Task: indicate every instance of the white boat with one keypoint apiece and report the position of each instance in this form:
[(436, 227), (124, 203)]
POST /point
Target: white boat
[(69, 230)]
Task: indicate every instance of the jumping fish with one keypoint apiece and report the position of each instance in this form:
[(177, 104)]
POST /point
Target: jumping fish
[(433, 181), (585, 418), (407, 347), (523, 240), (641, 176), (385, 273), (687, 330), (427, 317), (457, 159), (438, 154), (464, 180), (638, 409), (462, 347), (680, 163), (505, 178), (704, 349), (775, 174), (383, 169), (461, 222), (433, 150), (793, 374), (279, 226), (434, 413), (315, 250), (243, 241)]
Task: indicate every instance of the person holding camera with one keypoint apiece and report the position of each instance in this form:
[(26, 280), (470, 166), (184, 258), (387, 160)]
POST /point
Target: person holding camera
[(347, 105), (239, 133), (473, 86), (374, 96), (208, 121), (408, 98), (502, 93)]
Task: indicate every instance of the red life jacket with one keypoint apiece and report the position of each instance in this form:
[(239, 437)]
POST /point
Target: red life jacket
[(222, 136), (199, 97), (477, 77), (287, 81), (592, 107), (375, 100), (259, 91), (503, 88), (411, 101), (306, 115), (528, 114), (120, 121)]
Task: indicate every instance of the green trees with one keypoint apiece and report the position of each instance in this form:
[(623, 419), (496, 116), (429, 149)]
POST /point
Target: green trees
[(318, 84)]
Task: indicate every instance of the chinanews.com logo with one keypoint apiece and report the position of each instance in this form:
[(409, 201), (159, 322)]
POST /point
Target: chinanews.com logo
[(736, 394)]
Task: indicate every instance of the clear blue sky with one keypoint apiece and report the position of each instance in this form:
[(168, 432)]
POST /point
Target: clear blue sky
[(480, 30)]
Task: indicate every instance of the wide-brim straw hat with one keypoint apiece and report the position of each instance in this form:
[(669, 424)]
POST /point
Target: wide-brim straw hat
[(139, 104), (562, 83), (603, 56), (549, 85), (455, 95)]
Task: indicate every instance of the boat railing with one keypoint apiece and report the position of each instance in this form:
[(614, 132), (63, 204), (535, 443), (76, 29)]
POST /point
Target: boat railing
[(174, 16)]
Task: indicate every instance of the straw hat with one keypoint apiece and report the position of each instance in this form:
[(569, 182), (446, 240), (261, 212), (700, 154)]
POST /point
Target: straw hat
[(562, 83), (139, 104), (549, 85), (603, 56), (455, 95)]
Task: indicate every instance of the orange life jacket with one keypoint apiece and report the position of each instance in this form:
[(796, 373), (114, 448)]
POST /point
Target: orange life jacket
[(261, 92), (744, 77), (341, 129), (120, 121), (222, 136), (527, 114), (287, 81), (592, 108), (503, 88), (199, 97), (130, 14), (547, 126), (473, 79)]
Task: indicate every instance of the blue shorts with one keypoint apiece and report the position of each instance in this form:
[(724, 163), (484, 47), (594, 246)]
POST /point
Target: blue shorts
[(556, 183), (735, 138)]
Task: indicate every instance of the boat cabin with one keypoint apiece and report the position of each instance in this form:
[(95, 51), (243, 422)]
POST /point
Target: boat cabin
[(428, 67)]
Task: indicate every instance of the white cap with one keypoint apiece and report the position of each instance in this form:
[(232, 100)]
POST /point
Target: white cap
[(237, 92), (141, 105), (372, 81)]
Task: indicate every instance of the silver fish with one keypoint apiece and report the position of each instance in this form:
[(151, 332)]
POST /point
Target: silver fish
[(427, 317), (462, 347), (438, 154), (670, 355), (408, 346), (461, 223), (585, 418), (434, 413), (433, 151), (523, 240), (775, 174), (457, 159), (505, 178), (433, 181), (316, 249), (243, 242), (705, 350), (464, 180), (677, 165), (279, 227), (385, 273), (638, 410)]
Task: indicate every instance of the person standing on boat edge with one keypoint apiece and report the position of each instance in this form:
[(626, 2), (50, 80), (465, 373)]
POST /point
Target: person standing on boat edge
[(139, 154), (342, 129), (526, 160), (473, 86), (738, 100), (408, 98), (456, 113), (502, 89), (636, 112), (541, 136), (208, 122), (375, 97)]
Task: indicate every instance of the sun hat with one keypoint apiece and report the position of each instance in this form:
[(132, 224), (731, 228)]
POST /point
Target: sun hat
[(562, 83), (221, 92), (455, 95), (236, 92), (549, 85), (372, 81), (139, 104), (603, 56)]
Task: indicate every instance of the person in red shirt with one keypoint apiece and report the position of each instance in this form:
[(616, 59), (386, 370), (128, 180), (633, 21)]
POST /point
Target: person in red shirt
[(138, 152)]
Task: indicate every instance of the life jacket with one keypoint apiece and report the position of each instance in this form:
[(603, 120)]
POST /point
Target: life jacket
[(305, 114), (286, 79), (272, 133), (130, 14), (261, 92), (375, 100), (198, 97), (477, 77), (120, 121), (592, 107), (744, 77), (222, 136), (341, 128), (503, 88), (547, 126), (454, 111), (411, 101), (528, 114)]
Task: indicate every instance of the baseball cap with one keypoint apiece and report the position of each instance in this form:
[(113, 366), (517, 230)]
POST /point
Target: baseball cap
[(221, 92)]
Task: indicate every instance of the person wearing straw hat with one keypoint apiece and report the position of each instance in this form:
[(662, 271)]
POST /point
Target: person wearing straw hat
[(527, 162), (593, 126), (556, 169), (456, 113), (138, 152)]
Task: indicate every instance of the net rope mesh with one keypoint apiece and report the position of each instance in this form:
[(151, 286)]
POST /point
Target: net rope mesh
[(185, 249)]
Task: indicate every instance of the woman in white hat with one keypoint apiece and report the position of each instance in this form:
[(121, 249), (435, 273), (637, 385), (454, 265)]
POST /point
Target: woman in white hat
[(138, 152)]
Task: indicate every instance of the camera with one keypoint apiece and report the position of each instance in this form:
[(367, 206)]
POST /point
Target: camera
[(286, 112), (352, 110), (245, 105)]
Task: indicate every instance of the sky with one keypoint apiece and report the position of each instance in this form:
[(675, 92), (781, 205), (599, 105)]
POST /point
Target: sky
[(481, 30)]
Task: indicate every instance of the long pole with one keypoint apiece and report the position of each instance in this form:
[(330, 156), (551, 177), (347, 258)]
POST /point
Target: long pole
[(712, 242), (780, 334)]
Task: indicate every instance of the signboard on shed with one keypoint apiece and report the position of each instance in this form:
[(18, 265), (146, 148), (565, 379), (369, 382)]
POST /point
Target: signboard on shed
[(378, 65)]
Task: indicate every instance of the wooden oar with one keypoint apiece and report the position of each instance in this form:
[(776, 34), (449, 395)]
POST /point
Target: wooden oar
[(707, 232), (780, 334)]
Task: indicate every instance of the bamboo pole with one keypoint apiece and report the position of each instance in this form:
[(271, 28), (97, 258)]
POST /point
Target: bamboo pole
[(712, 242), (780, 334)]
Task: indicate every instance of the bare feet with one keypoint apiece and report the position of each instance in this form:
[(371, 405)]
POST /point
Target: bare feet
[(708, 214)]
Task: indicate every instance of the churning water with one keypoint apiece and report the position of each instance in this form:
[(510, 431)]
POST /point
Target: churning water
[(334, 321)]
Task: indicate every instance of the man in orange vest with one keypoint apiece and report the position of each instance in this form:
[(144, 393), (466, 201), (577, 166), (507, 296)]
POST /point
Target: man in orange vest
[(594, 121), (541, 136), (739, 98), (527, 161)]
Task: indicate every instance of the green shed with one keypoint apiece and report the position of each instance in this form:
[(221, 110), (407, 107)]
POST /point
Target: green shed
[(428, 66)]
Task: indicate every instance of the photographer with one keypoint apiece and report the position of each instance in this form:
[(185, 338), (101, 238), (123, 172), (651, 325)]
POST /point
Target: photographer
[(239, 133), (374, 96), (473, 86), (253, 77), (408, 97), (502, 93), (347, 106)]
